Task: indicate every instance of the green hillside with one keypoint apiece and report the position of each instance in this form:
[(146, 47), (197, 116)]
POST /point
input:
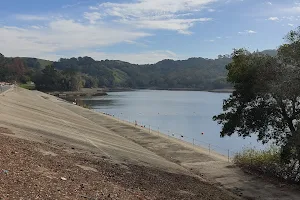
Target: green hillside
[(74, 73)]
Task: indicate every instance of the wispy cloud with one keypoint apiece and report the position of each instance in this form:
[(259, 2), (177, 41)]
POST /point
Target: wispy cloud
[(72, 5), (31, 18), (180, 25), (93, 17), (154, 14), (247, 32), (102, 25), (59, 36), (273, 18), (269, 3), (292, 10), (291, 25)]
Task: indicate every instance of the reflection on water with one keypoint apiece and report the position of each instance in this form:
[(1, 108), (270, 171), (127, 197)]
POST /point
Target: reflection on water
[(186, 113)]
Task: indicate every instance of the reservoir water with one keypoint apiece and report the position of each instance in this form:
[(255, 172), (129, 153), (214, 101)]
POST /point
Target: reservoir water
[(183, 114)]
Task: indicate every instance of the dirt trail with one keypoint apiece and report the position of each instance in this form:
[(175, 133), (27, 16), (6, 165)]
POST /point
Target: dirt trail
[(108, 158)]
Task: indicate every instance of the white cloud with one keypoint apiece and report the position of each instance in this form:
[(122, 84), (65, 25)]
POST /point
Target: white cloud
[(273, 18), (31, 18), (291, 25), (180, 25), (93, 17), (72, 5), (247, 32), (52, 37), (36, 27), (157, 14), (209, 40), (269, 3), (292, 10), (93, 8), (211, 10), (60, 36)]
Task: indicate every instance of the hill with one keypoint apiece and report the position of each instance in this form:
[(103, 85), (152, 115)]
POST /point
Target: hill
[(196, 73), (74, 73), (270, 52)]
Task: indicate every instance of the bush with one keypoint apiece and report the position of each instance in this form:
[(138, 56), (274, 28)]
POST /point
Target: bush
[(268, 162), (28, 86)]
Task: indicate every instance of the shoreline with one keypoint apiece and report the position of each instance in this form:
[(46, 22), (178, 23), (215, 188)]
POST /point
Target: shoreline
[(104, 91), (199, 148)]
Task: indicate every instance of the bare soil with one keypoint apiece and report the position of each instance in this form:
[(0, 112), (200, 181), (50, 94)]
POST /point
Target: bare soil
[(31, 170)]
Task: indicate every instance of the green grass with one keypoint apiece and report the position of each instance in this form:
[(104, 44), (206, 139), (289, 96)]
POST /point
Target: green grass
[(253, 157), (268, 163), (119, 76), (28, 86), (44, 63)]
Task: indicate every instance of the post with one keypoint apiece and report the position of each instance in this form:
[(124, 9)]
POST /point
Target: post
[(209, 148), (228, 156)]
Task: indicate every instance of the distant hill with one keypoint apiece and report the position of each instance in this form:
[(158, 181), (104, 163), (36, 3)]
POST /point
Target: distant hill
[(270, 52), (71, 74), (196, 73)]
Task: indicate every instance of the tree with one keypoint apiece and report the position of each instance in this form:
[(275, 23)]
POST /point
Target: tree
[(266, 100), (49, 79)]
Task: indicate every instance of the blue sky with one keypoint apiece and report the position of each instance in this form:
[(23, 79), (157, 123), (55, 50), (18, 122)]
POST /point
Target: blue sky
[(143, 31)]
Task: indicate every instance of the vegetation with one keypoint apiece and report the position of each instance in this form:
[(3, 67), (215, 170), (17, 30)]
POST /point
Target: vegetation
[(28, 86), (73, 73), (268, 162), (266, 100)]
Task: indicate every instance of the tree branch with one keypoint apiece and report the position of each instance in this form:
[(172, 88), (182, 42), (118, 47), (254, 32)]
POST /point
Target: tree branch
[(287, 118)]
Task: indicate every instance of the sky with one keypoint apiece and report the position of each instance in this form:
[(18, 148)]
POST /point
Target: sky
[(143, 31)]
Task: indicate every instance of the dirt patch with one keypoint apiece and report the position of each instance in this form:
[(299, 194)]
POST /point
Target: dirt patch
[(6, 131), (87, 168), (47, 153), (28, 174)]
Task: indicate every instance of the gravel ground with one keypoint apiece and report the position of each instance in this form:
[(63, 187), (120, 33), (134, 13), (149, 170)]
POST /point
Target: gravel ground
[(31, 170)]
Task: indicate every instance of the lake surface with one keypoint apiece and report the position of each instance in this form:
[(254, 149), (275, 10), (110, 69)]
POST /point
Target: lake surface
[(178, 113)]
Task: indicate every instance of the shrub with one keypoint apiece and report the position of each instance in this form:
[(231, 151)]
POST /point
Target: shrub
[(268, 162)]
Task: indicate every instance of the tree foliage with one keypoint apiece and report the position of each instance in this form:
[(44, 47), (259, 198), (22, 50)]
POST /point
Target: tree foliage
[(266, 100), (194, 73)]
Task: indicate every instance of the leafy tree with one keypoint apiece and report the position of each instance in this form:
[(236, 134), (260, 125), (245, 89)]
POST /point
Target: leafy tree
[(266, 100), (49, 79)]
